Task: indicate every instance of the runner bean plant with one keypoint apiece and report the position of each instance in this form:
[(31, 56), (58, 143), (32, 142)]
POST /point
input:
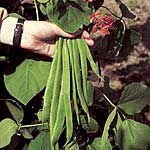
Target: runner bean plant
[(64, 103)]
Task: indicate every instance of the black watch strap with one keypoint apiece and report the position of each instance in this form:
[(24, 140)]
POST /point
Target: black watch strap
[(18, 32)]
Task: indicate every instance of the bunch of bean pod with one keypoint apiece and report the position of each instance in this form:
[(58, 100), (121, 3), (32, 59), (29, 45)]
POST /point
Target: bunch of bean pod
[(67, 87)]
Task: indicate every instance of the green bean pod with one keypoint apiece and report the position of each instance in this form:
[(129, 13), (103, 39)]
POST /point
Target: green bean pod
[(66, 82), (94, 67), (49, 86), (74, 94), (56, 87), (60, 119), (83, 61), (78, 77)]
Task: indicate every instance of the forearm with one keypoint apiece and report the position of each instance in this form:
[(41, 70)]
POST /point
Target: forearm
[(7, 30), (7, 26), (30, 28)]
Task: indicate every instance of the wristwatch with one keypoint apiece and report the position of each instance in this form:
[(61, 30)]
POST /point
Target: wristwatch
[(18, 32)]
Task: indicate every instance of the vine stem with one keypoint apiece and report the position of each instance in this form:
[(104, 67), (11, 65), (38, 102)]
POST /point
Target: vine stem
[(108, 100), (36, 9), (33, 125), (113, 105)]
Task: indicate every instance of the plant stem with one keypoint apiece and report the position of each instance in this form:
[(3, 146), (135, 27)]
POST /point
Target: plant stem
[(108, 100), (33, 125), (37, 13)]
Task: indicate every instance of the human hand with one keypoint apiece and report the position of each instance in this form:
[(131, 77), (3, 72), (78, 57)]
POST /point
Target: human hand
[(39, 37)]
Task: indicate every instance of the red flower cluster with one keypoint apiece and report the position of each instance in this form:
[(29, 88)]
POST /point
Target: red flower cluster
[(103, 24)]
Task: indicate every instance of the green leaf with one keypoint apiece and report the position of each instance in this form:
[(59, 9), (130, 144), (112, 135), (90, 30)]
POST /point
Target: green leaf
[(41, 142), (25, 133), (119, 121), (90, 91), (135, 37), (39, 115), (43, 1), (7, 129), (29, 79), (133, 135), (90, 127), (12, 107), (16, 110), (134, 98), (16, 15), (69, 15), (43, 9), (104, 140), (96, 145)]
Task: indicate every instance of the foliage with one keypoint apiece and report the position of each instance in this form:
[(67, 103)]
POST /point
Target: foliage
[(136, 95), (55, 102), (133, 135), (65, 14), (34, 74), (8, 128)]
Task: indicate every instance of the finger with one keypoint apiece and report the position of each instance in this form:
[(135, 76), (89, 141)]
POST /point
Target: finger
[(75, 34), (87, 38), (89, 42), (86, 35)]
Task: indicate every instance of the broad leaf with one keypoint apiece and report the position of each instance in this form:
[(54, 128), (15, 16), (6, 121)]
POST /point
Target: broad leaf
[(133, 135), (41, 142), (134, 98), (12, 109), (96, 145), (29, 79), (15, 109), (69, 15), (7, 129), (90, 127), (104, 140)]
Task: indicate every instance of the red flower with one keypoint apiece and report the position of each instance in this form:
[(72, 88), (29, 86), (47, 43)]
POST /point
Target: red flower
[(105, 30), (103, 23), (94, 17), (95, 28)]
